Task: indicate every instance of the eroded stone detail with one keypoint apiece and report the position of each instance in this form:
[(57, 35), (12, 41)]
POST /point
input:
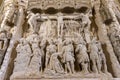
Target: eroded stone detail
[(62, 41)]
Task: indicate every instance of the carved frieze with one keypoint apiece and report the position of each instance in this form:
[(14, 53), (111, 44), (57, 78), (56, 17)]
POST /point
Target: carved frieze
[(58, 4)]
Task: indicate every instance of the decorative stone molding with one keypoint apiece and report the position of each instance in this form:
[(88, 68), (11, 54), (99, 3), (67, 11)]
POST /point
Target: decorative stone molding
[(58, 4)]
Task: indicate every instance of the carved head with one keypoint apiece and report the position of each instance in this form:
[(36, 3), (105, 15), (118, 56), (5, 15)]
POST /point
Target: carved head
[(51, 41), (2, 35), (36, 39), (67, 41), (9, 35), (23, 41)]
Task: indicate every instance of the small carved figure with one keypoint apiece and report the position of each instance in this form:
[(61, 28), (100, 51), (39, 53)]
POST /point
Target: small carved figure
[(96, 67), (23, 56), (68, 55), (102, 58), (53, 30), (86, 26), (32, 21), (60, 25), (55, 63), (36, 59), (43, 45), (82, 56), (51, 48)]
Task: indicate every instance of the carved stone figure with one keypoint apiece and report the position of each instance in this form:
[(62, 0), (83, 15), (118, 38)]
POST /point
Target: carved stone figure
[(55, 63), (102, 58), (31, 37), (23, 56), (96, 67), (60, 25), (86, 26), (36, 59), (32, 20), (53, 31), (82, 56), (43, 45), (56, 37), (51, 49), (68, 55)]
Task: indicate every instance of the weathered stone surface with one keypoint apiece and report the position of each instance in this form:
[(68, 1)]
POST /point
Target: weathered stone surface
[(60, 39)]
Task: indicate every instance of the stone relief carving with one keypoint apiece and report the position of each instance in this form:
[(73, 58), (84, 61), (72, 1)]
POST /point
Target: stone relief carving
[(60, 46), (55, 44)]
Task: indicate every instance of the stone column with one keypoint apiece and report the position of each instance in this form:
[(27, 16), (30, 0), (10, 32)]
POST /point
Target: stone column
[(102, 34)]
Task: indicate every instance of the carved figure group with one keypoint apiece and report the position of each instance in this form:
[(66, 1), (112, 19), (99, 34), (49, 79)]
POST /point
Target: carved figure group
[(58, 52)]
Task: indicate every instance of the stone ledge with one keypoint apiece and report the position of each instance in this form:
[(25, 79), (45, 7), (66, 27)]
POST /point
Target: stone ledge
[(67, 79), (59, 79), (116, 79)]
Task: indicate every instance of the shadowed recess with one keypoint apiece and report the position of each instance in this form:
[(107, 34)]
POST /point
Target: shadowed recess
[(82, 9), (36, 10), (68, 10), (108, 21), (51, 10)]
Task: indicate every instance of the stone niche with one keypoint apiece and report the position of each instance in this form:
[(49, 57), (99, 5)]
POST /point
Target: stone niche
[(59, 39)]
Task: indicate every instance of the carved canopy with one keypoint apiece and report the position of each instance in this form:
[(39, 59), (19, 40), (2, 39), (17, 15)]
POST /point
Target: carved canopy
[(58, 4)]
